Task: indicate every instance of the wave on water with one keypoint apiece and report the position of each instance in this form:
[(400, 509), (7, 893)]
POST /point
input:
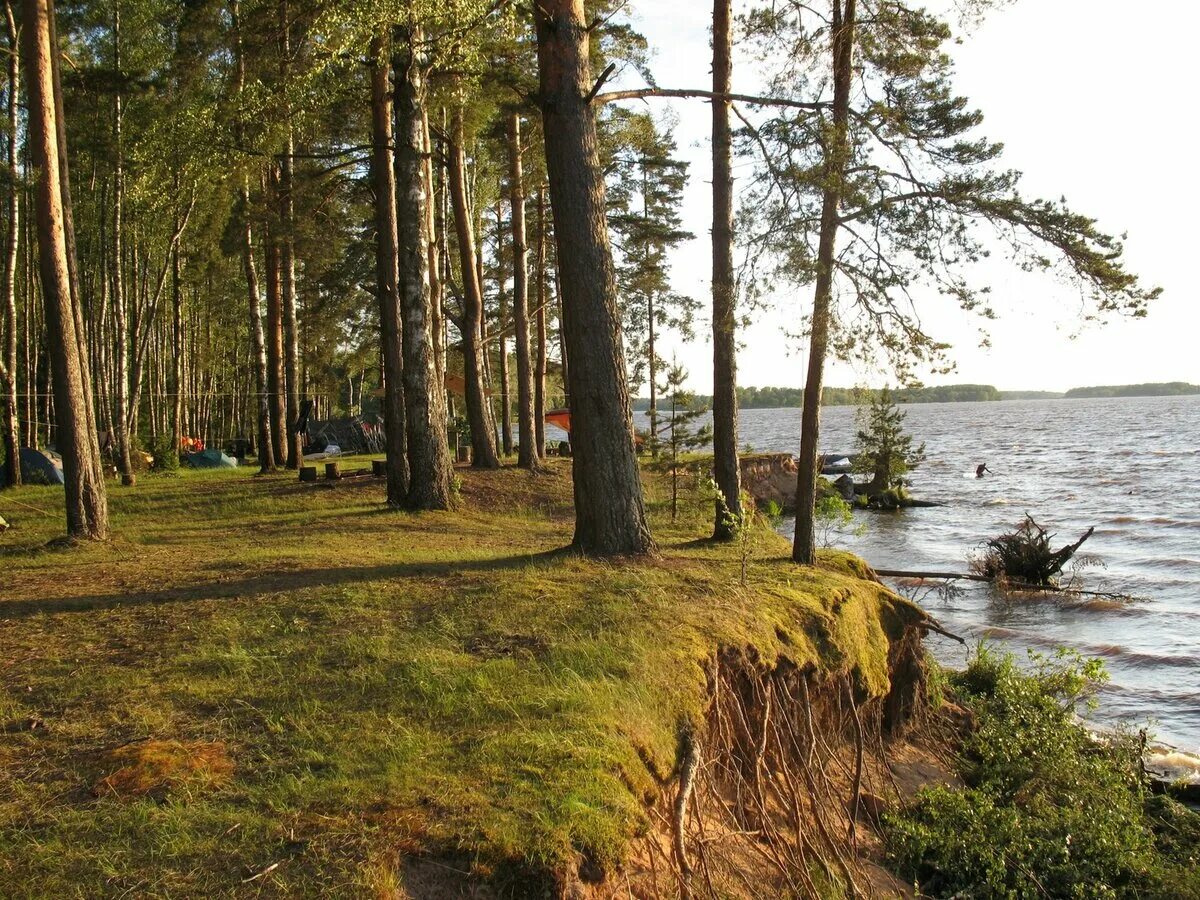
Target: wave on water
[(1172, 764)]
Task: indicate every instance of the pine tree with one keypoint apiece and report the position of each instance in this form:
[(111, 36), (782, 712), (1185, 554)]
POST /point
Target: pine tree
[(678, 432), (883, 449)]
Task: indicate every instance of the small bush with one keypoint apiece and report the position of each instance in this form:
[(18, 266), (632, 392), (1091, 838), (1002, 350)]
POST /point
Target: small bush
[(1048, 810), (166, 456)]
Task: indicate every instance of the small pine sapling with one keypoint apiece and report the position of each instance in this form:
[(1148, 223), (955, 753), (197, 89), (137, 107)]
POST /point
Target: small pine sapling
[(678, 430)]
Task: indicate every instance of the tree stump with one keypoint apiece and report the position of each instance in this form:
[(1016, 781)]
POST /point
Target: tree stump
[(128, 479), (464, 453), (333, 471), (308, 473), (379, 468)]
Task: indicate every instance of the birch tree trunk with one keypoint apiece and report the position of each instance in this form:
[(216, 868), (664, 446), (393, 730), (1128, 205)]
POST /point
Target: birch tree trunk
[(120, 308), (287, 256), (506, 441), (539, 372), (278, 408), (428, 449), (86, 503), (527, 454), (8, 361), (833, 175), (610, 516)]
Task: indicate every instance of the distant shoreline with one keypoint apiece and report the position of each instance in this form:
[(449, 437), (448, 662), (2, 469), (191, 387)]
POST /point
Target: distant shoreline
[(793, 398)]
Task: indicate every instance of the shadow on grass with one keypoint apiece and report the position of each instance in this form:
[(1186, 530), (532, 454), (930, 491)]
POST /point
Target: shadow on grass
[(274, 582)]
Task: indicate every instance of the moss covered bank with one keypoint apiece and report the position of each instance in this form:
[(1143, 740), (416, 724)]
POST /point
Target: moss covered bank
[(262, 685)]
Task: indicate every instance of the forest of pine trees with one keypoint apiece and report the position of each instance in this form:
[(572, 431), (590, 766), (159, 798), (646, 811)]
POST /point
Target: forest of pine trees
[(219, 212)]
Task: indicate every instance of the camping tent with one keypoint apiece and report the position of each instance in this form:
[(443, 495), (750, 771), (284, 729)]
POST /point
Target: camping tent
[(41, 466), (211, 459)]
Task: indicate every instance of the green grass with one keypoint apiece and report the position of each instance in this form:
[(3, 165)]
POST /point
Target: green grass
[(385, 684)]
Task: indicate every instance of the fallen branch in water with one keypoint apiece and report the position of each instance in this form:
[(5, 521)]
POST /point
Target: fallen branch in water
[(949, 576), (1005, 584)]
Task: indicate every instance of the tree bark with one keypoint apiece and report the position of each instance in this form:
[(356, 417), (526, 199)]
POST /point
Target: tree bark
[(506, 441), (8, 362), (539, 372), (726, 471), (177, 380), (386, 273), (266, 454), (527, 452), (278, 408), (428, 449), (86, 503), (436, 291), (121, 410), (287, 260), (483, 444), (804, 548), (610, 516)]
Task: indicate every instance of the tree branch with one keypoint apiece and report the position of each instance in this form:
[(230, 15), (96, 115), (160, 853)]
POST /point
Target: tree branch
[(750, 99)]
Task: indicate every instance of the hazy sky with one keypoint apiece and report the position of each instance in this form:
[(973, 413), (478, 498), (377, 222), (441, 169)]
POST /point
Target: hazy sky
[(1092, 103)]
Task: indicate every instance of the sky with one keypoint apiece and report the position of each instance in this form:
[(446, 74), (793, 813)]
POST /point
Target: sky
[(1092, 104)]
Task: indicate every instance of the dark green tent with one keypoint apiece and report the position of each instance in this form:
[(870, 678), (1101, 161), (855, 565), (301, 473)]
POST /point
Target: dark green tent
[(211, 459)]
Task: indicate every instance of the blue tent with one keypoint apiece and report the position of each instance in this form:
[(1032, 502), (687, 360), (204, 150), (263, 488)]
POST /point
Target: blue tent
[(211, 459), (41, 466)]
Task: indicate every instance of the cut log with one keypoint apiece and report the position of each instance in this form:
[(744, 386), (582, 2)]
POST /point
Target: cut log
[(333, 471), (379, 468), (308, 473)]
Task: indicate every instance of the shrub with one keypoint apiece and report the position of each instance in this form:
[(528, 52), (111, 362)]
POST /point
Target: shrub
[(1048, 810), (166, 455)]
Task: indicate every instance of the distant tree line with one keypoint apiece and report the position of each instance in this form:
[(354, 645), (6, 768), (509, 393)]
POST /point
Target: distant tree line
[(791, 397), (788, 397), (1154, 389)]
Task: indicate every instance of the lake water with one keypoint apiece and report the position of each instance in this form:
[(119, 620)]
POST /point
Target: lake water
[(1130, 467)]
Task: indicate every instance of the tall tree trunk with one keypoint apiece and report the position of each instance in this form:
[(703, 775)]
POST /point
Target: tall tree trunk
[(527, 455), (178, 384), (8, 362), (436, 291), (428, 449), (287, 255), (68, 229), (258, 351), (726, 471), (539, 372), (121, 411), (652, 374), (506, 441), (386, 274), (278, 407), (86, 503), (610, 516), (483, 444), (804, 548)]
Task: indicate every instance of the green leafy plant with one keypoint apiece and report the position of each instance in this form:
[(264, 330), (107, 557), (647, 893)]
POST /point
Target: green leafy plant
[(165, 454), (1048, 809), (834, 518)]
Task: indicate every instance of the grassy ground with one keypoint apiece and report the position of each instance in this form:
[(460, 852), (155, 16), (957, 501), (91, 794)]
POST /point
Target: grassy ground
[(334, 687)]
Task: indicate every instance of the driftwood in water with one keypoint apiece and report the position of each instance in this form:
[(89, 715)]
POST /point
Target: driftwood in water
[(949, 576), (1024, 555)]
